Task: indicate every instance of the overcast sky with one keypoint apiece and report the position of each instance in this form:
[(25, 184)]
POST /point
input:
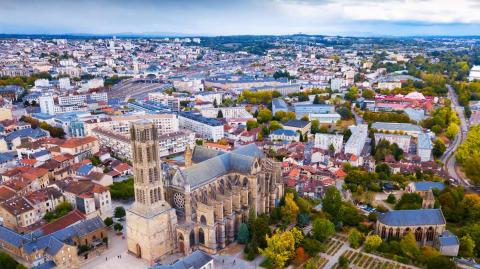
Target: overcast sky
[(231, 17)]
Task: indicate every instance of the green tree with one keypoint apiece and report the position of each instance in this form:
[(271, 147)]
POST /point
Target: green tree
[(280, 248), (315, 127), (108, 221), (409, 247), (352, 94), (290, 209), (368, 94), (372, 242), (332, 201), (122, 190), (252, 124), (355, 238), (391, 199), (95, 160), (274, 125), (322, 229), (438, 148), (7, 262), (409, 201), (119, 212), (243, 236), (467, 247), (264, 115), (118, 227), (440, 262)]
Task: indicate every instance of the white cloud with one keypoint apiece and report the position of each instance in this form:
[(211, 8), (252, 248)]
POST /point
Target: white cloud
[(425, 11)]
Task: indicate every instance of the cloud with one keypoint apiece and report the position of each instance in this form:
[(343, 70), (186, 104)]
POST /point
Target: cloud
[(223, 17)]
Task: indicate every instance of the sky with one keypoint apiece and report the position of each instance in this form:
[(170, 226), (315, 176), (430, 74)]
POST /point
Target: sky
[(240, 17)]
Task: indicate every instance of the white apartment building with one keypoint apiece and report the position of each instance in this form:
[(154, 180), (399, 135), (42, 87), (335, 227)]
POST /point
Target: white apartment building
[(474, 73), (228, 112), (323, 141), (403, 141), (172, 102), (356, 142), (389, 85), (166, 123), (47, 104), (328, 118), (424, 147), (170, 143), (188, 85), (208, 128), (80, 99), (64, 83)]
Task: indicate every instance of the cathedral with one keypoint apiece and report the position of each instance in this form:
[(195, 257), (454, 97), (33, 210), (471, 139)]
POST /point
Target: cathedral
[(199, 206)]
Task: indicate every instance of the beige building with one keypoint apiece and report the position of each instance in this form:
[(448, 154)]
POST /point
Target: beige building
[(203, 204)]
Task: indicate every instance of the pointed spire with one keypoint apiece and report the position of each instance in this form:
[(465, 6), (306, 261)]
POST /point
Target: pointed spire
[(188, 156)]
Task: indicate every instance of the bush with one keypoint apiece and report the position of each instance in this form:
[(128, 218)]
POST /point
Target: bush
[(372, 242), (119, 212), (312, 246), (118, 227), (440, 262), (355, 238), (391, 199), (343, 261), (108, 221)]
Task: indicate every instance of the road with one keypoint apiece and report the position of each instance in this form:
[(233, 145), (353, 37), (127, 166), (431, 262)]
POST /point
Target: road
[(449, 158)]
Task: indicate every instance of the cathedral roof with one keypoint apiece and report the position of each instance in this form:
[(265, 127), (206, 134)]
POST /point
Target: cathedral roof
[(415, 217), (240, 160)]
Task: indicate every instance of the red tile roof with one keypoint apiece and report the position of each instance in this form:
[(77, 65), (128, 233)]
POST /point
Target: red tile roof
[(63, 222)]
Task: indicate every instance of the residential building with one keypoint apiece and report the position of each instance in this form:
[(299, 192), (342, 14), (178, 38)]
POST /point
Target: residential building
[(403, 141), (424, 147), (205, 127), (298, 125), (279, 105), (284, 135), (325, 141), (357, 140)]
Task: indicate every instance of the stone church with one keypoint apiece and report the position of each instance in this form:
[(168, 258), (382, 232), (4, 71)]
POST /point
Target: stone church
[(199, 206)]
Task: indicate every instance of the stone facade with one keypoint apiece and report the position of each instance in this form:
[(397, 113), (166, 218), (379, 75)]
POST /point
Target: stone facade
[(210, 197)]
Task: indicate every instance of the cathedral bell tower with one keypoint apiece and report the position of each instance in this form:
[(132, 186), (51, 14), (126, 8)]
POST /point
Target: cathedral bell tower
[(151, 221)]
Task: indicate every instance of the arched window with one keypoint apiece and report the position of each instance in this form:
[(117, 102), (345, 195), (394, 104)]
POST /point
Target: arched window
[(383, 232), (201, 236), (430, 234), (406, 231), (397, 233), (418, 234), (192, 238), (203, 220), (390, 233)]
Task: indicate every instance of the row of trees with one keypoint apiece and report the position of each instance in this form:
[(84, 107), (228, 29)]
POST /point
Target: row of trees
[(468, 154), (54, 131), (400, 117), (260, 97), (444, 120)]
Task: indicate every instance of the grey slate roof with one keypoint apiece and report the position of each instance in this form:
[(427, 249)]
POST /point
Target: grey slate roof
[(414, 217), (27, 132), (392, 126), (201, 154), (428, 185), (296, 123), (239, 160), (196, 260), (448, 239)]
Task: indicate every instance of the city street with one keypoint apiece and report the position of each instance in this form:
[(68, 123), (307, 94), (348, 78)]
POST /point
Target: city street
[(449, 156)]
